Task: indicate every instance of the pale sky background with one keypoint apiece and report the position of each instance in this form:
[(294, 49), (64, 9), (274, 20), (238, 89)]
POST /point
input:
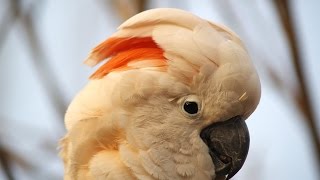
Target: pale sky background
[(280, 145)]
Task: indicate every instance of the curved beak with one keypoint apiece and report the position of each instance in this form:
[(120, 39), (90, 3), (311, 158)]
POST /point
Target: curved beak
[(228, 144)]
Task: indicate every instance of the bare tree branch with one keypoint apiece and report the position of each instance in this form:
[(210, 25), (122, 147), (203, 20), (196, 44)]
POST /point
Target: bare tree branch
[(303, 98), (128, 8), (8, 21), (45, 73), (5, 26), (141, 5), (5, 163)]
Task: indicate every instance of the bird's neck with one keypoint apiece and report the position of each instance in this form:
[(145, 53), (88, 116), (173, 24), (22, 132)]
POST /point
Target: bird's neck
[(185, 158)]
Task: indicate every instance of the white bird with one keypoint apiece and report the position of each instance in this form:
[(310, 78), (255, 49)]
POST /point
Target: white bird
[(169, 102)]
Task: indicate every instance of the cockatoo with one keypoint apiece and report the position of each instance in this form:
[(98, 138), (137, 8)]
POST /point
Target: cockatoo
[(168, 103)]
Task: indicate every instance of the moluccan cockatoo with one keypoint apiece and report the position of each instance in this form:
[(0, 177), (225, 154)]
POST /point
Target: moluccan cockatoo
[(169, 103)]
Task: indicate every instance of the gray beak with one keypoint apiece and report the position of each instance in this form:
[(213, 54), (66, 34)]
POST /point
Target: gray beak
[(228, 144)]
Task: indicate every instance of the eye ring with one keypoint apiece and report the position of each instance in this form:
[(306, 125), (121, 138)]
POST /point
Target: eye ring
[(191, 106)]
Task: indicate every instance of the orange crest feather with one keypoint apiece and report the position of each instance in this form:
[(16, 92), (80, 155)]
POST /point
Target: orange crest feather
[(124, 50)]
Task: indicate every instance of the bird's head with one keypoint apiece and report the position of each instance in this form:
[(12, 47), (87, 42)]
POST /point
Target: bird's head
[(182, 85)]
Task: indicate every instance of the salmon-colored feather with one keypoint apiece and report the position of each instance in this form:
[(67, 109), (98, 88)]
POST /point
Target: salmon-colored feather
[(120, 61), (122, 51)]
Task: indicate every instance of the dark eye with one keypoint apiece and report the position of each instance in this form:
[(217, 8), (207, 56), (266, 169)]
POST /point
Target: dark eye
[(191, 107)]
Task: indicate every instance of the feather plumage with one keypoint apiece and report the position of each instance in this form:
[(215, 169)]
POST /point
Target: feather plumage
[(127, 123)]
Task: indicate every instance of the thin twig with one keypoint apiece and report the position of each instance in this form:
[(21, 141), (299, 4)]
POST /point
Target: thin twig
[(128, 8), (141, 5), (4, 30), (5, 163), (8, 21), (45, 73), (43, 69), (303, 99)]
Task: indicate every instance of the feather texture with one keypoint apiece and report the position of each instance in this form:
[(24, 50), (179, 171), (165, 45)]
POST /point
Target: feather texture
[(128, 121), (122, 51)]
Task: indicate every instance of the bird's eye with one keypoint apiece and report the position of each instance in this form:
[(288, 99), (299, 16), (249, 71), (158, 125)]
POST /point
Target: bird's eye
[(191, 105)]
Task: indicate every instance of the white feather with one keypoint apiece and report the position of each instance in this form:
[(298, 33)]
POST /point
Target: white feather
[(127, 125)]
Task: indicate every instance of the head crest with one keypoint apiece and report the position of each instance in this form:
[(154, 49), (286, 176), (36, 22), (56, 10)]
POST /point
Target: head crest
[(122, 51)]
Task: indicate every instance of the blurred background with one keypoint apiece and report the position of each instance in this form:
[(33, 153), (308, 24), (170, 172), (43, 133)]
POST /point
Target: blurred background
[(43, 44)]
